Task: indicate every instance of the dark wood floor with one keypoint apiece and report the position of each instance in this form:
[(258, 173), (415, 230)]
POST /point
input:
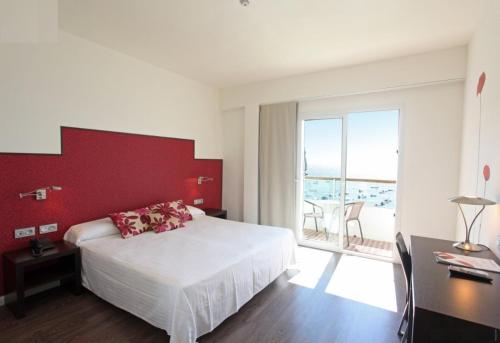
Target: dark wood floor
[(283, 312)]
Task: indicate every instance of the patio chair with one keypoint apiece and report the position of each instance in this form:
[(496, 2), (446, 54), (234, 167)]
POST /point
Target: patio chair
[(352, 212), (317, 212)]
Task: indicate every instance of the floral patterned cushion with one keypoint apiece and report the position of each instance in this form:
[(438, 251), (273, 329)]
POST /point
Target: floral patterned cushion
[(132, 223), (158, 217), (181, 208), (164, 218)]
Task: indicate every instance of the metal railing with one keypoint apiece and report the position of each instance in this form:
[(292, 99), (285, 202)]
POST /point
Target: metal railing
[(332, 178), (375, 192)]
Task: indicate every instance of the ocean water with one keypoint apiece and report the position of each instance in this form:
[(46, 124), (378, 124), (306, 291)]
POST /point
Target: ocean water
[(372, 193)]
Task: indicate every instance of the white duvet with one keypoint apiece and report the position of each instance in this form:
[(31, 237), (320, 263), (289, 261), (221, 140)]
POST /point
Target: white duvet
[(189, 280)]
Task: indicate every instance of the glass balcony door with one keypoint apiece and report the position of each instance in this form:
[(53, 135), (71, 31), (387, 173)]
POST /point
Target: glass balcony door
[(321, 189), (347, 167), (371, 174)]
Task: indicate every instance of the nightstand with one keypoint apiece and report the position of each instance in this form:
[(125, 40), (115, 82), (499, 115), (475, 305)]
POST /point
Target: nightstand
[(23, 272), (216, 212)]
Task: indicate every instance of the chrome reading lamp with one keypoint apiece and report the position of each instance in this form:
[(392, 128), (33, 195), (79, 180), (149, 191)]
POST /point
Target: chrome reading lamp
[(202, 179), (40, 193), (475, 201)]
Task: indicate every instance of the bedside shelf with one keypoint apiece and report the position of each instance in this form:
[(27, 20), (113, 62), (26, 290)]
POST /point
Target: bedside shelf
[(23, 272), (216, 212), (46, 275)]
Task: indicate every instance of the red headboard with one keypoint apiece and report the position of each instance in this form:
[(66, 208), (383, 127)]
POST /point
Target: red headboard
[(100, 172)]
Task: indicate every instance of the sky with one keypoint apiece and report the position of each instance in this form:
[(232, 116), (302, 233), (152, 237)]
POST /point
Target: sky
[(372, 142)]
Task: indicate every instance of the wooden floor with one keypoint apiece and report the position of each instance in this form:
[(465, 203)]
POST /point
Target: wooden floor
[(366, 246), (283, 312)]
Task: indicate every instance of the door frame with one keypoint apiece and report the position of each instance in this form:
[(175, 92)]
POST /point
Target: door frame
[(343, 115)]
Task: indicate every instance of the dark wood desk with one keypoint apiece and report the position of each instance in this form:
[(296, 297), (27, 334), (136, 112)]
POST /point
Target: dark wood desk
[(451, 309)]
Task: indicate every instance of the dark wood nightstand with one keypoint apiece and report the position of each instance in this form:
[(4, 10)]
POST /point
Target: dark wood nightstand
[(23, 272), (216, 212)]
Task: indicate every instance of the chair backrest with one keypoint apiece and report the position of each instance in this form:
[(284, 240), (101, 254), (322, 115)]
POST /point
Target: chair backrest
[(314, 206), (405, 257), (355, 210)]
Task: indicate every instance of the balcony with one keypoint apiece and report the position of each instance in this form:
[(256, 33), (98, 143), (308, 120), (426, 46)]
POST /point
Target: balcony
[(376, 216)]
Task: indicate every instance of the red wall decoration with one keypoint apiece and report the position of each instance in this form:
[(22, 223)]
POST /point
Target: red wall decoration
[(100, 172)]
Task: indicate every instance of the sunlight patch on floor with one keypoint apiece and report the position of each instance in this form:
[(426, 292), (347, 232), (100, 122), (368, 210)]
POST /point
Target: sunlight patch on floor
[(311, 264), (366, 281)]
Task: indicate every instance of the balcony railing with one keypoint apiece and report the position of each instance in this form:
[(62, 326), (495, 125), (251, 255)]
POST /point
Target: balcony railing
[(377, 216), (332, 178), (374, 192)]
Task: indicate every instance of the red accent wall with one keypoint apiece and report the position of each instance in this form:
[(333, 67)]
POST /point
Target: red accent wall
[(100, 172)]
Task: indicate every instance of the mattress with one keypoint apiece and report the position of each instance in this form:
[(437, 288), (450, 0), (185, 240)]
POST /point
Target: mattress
[(189, 280)]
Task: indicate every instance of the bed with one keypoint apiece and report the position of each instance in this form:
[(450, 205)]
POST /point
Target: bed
[(186, 281)]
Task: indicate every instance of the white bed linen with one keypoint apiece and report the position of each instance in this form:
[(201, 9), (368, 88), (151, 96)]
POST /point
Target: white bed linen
[(189, 280)]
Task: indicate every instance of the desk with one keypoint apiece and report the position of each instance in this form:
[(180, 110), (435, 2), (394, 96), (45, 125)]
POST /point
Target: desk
[(451, 309)]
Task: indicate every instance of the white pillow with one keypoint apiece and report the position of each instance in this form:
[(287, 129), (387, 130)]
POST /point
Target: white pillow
[(90, 230), (195, 211)]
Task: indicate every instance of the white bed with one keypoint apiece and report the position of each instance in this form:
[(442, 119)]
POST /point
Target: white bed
[(185, 281)]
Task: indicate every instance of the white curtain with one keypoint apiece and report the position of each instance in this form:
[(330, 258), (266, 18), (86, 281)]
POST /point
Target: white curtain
[(277, 164)]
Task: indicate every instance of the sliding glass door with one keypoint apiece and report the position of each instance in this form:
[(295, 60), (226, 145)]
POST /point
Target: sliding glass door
[(347, 167), (371, 174), (321, 186)]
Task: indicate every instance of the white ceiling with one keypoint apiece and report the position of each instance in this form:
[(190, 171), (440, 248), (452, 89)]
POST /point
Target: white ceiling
[(221, 43)]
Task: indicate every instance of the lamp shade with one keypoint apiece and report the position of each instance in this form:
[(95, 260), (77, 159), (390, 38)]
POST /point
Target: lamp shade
[(464, 200)]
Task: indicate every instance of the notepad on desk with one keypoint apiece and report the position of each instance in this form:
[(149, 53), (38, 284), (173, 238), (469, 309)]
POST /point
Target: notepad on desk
[(467, 261)]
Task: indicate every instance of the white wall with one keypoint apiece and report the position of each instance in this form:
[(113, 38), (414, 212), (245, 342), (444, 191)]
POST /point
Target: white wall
[(484, 56), (78, 83), (232, 149), (427, 87)]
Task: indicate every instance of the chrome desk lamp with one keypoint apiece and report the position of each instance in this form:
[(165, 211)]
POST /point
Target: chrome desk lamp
[(475, 201)]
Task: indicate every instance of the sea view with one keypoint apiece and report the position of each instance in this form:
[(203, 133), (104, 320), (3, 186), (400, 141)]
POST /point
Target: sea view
[(372, 193)]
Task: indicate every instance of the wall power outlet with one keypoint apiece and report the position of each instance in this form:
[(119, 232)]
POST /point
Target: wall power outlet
[(24, 232), (198, 201), (48, 228)]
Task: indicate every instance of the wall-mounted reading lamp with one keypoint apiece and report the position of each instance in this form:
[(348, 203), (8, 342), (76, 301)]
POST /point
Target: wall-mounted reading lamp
[(40, 193), (202, 179)]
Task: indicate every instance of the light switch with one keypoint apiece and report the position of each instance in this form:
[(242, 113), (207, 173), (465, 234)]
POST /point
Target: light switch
[(48, 228)]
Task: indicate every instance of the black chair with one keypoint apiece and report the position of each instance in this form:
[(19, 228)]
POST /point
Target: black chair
[(406, 262)]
